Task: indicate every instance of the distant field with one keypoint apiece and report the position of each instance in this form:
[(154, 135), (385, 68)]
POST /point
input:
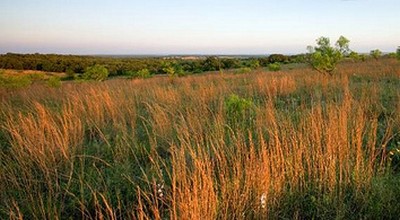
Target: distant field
[(290, 144)]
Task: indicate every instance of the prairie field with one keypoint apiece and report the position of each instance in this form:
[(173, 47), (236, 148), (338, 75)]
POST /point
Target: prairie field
[(292, 144)]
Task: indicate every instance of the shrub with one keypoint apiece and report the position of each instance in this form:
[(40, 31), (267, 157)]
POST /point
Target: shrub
[(254, 64), (398, 53), (54, 81), (240, 112), (354, 56), (375, 54), (143, 73), (243, 70), (274, 67), (96, 72)]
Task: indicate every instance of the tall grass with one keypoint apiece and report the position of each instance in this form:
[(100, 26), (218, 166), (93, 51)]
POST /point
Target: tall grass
[(302, 146)]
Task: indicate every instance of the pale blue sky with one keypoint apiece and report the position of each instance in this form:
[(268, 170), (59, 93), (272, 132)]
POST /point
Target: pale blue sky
[(194, 27)]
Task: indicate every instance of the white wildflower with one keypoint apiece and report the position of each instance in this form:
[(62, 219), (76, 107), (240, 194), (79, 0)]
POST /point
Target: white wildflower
[(263, 200)]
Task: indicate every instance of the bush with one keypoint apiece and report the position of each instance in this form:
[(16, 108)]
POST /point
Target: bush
[(398, 53), (96, 72), (240, 112), (144, 73), (274, 67), (354, 56), (54, 81), (375, 54), (243, 70)]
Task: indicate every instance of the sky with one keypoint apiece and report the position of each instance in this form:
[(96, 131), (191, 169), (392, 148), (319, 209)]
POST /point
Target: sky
[(194, 27)]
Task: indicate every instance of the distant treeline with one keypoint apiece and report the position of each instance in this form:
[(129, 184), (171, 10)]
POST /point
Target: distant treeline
[(126, 65)]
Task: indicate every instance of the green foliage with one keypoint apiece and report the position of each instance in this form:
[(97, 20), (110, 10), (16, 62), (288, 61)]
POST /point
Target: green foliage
[(324, 57), (230, 63), (76, 65), (212, 64), (144, 73), (54, 82), (96, 72), (354, 56), (274, 67), (172, 69), (392, 55), (70, 73), (375, 53), (254, 64), (277, 58), (36, 76), (240, 112), (243, 70), (13, 82), (169, 70), (179, 70), (398, 53)]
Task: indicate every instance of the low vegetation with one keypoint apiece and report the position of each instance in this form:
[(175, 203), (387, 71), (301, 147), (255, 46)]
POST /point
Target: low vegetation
[(293, 144)]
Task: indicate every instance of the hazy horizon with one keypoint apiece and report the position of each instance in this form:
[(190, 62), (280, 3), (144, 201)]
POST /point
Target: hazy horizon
[(176, 27)]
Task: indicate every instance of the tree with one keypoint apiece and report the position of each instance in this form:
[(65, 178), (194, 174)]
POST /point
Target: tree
[(354, 56), (375, 53), (211, 64), (324, 57), (173, 69), (398, 52), (277, 58), (96, 72)]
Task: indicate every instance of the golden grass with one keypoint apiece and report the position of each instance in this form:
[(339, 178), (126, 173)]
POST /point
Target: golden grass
[(312, 134)]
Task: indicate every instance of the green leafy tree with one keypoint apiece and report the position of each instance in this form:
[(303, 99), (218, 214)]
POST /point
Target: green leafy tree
[(212, 64), (398, 53), (375, 53), (277, 58), (325, 57), (96, 72)]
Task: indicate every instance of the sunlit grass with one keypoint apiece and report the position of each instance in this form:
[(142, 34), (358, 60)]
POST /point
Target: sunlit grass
[(289, 144)]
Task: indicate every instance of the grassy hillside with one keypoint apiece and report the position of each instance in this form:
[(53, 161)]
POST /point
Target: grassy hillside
[(266, 145)]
